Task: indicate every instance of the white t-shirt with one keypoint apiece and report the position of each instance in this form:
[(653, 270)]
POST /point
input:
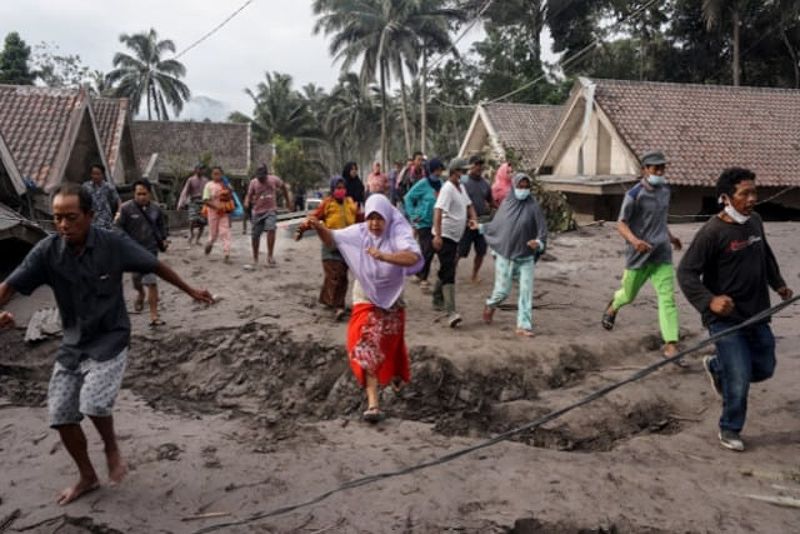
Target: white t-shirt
[(453, 201)]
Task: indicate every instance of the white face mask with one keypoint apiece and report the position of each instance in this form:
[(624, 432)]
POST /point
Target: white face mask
[(522, 194), (733, 213), (656, 180)]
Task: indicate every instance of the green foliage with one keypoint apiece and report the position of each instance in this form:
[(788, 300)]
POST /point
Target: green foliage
[(59, 70), (146, 77), (291, 163), (554, 203), (14, 61)]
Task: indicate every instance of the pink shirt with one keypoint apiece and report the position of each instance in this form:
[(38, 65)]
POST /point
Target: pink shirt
[(377, 183), (262, 197)]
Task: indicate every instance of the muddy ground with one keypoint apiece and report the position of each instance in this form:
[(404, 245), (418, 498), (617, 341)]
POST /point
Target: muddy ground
[(249, 405)]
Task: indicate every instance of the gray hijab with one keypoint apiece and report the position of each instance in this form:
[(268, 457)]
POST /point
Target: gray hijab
[(515, 223)]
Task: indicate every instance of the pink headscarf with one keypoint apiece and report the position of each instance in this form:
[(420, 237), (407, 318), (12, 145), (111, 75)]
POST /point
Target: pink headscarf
[(502, 183), (382, 282)]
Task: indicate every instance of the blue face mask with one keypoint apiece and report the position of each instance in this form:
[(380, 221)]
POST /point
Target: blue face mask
[(656, 180), (522, 194)]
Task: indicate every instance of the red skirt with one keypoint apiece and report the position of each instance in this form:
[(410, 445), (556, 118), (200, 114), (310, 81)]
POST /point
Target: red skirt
[(376, 344)]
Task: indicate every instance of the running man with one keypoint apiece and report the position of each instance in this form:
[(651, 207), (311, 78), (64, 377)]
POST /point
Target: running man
[(480, 193), (83, 265), (451, 214), (261, 198), (105, 199), (643, 224), (726, 274), (192, 195), (144, 222)]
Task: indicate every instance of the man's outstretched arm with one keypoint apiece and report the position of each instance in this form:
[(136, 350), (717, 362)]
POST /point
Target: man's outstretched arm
[(166, 273), (6, 318)]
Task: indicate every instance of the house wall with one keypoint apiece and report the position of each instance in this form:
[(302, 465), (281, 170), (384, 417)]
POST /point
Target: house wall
[(603, 153), (84, 152), (589, 208), (479, 141)]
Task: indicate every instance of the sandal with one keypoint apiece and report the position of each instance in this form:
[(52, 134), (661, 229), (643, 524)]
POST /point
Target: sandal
[(340, 314), (397, 385), (374, 415), (138, 305), (609, 318), (207, 250), (156, 322)]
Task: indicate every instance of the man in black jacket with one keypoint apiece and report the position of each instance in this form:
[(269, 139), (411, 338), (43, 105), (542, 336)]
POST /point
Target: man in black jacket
[(726, 274)]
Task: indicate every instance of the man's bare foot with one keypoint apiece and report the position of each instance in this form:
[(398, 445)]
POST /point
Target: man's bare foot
[(476, 280), (117, 468), (74, 492)]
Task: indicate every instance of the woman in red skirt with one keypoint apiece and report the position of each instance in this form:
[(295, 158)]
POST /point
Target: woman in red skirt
[(380, 253)]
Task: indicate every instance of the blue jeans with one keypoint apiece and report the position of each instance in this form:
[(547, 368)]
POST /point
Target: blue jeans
[(504, 274), (747, 355)]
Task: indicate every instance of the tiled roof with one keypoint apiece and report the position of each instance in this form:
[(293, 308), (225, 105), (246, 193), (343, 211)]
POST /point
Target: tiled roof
[(9, 171), (703, 129), (35, 123), (109, 117), (523, 127), (184, 143)]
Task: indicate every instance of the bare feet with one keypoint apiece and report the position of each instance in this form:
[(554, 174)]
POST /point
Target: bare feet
[(476, 280), (73, 492), (524, 332), (670, 350), (488, 314), (117, 468)]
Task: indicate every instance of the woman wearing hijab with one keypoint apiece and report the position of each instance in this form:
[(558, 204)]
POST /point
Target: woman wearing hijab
[(336, 212), (502, 183), (518, 236), (355, 187), (380, 252)]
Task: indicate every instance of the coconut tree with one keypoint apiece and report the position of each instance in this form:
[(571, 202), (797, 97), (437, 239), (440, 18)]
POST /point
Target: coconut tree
[(385, 35), (146, 73)]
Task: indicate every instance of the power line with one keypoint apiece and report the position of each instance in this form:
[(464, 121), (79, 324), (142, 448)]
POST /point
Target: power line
[(602, 392), (471, 25), (215, 29)]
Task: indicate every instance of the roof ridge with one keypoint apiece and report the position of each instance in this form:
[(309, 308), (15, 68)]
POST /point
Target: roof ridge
[(702, 86)]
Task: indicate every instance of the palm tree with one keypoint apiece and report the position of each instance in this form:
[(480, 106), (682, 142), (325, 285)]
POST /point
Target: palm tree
[(279, 109), (351, 122), (384, 35), (145, 73)]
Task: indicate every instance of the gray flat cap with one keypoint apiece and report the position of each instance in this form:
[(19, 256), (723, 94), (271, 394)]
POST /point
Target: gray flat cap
[(457, 164), (653, 157)]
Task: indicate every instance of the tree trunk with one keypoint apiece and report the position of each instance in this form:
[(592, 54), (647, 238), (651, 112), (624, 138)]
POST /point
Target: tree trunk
[(384, 155), (403, 100), (792, 56), (149, 115), (737, 66), (423, 104)]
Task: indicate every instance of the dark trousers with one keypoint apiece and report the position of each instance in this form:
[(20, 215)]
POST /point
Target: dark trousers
[(425, 240), (448, 256), (746, 356)]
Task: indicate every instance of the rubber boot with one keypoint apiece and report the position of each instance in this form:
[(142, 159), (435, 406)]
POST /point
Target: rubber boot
[(449, 293), (438, 297)]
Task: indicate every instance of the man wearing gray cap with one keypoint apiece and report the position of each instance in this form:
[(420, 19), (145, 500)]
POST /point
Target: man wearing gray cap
[(643, 224), (451, 214)]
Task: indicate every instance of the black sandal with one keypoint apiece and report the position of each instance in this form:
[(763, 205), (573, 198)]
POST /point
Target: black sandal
[(609, 318), (374, 415)]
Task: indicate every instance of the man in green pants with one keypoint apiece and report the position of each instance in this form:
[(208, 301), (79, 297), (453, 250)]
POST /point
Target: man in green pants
[(648, 256)]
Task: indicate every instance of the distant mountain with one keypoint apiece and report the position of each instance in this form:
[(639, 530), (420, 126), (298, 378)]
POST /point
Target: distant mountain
[(200, 108)]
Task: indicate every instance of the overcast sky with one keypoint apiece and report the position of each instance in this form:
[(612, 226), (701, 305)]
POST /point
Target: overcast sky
[(269, 35)]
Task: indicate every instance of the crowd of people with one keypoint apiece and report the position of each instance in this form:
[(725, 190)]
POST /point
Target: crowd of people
[(384, 234)]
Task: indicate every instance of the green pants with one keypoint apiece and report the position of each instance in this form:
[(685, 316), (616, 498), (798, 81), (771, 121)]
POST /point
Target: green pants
[(661, 275)]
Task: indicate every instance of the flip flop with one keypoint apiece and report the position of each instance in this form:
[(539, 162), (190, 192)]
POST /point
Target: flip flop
[(156, 322), (680, 363), (374, 415), (138, 305)]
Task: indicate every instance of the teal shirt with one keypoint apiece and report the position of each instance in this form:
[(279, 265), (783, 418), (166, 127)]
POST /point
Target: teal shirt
[(419, 203)]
